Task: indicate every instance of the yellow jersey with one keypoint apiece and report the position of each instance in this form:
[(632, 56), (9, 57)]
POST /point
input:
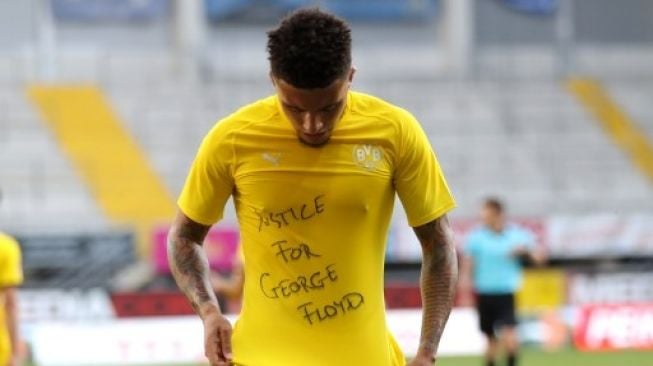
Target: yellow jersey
[(314, 224), (11, 275)]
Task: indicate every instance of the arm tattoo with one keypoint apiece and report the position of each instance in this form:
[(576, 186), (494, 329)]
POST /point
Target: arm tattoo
[(437, 280), (188, 262)]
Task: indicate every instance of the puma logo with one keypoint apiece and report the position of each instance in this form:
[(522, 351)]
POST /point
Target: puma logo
[(271, 158)]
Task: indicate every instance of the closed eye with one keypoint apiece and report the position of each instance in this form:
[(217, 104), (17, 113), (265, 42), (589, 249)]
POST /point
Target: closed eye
[(293, 108), (331, 107)]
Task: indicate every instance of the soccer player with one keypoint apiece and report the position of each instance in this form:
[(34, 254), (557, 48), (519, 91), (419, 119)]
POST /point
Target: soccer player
[(313, 171), (11, 276), (492, 265)]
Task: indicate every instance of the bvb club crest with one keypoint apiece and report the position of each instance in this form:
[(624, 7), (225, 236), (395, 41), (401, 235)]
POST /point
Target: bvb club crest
[(368, 156)]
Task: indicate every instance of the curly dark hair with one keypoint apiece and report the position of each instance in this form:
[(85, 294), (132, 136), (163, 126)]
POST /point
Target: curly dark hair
[(310, 49)]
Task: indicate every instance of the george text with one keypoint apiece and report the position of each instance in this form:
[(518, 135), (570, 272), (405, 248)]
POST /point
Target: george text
[(301, 284)]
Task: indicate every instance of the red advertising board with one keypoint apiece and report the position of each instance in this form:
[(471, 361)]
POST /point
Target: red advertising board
[(150, 304), (614, 327), (220, 245)]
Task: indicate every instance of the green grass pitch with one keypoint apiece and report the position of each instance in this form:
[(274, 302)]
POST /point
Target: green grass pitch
[(567, 357)]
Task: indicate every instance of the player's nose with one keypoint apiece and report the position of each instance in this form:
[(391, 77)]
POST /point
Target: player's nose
[(312, 124)]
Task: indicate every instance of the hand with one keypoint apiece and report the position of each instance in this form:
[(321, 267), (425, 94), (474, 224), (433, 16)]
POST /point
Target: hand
[(19, 354), (422, 361), (466, 298), (15, 361), (520, 252), (217, 339)]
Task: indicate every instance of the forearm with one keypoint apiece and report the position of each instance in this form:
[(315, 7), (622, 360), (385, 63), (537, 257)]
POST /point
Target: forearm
[(465, 272), (538, 257), (465, 286), (438, 283), (190, 268), (11, 311)]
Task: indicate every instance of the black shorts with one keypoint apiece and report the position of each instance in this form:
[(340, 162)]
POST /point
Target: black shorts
[(496, 311)]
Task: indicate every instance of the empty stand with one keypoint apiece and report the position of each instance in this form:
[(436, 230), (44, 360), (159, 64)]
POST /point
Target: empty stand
[(523, 137), (40, 188)]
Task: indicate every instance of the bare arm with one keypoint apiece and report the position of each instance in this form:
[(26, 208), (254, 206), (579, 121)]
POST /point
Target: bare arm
[(11, 311), (190, 268), (466, 267), (189, 264), (465, 281), (537, 256), (438, 283)]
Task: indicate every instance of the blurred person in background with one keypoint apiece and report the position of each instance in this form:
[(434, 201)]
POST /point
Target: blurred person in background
[(313, 171), (492, 267), (11, 276)]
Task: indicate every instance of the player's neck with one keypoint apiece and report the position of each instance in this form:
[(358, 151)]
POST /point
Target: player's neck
[(497, 227)]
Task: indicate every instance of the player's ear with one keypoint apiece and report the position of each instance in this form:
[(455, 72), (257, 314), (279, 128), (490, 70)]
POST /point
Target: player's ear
[(352, 71), (273, 79)]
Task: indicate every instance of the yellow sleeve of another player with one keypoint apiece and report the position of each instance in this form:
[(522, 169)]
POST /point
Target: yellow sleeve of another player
[(418, 178), (210, 181), (11, 269)]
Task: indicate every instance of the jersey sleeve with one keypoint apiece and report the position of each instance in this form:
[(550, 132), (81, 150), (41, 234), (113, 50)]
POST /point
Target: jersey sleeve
[(11, 269), (418, 178), (210, 180)]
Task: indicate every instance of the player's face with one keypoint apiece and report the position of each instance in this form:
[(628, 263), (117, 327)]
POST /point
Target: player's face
[(490, 216), (314, 112)]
